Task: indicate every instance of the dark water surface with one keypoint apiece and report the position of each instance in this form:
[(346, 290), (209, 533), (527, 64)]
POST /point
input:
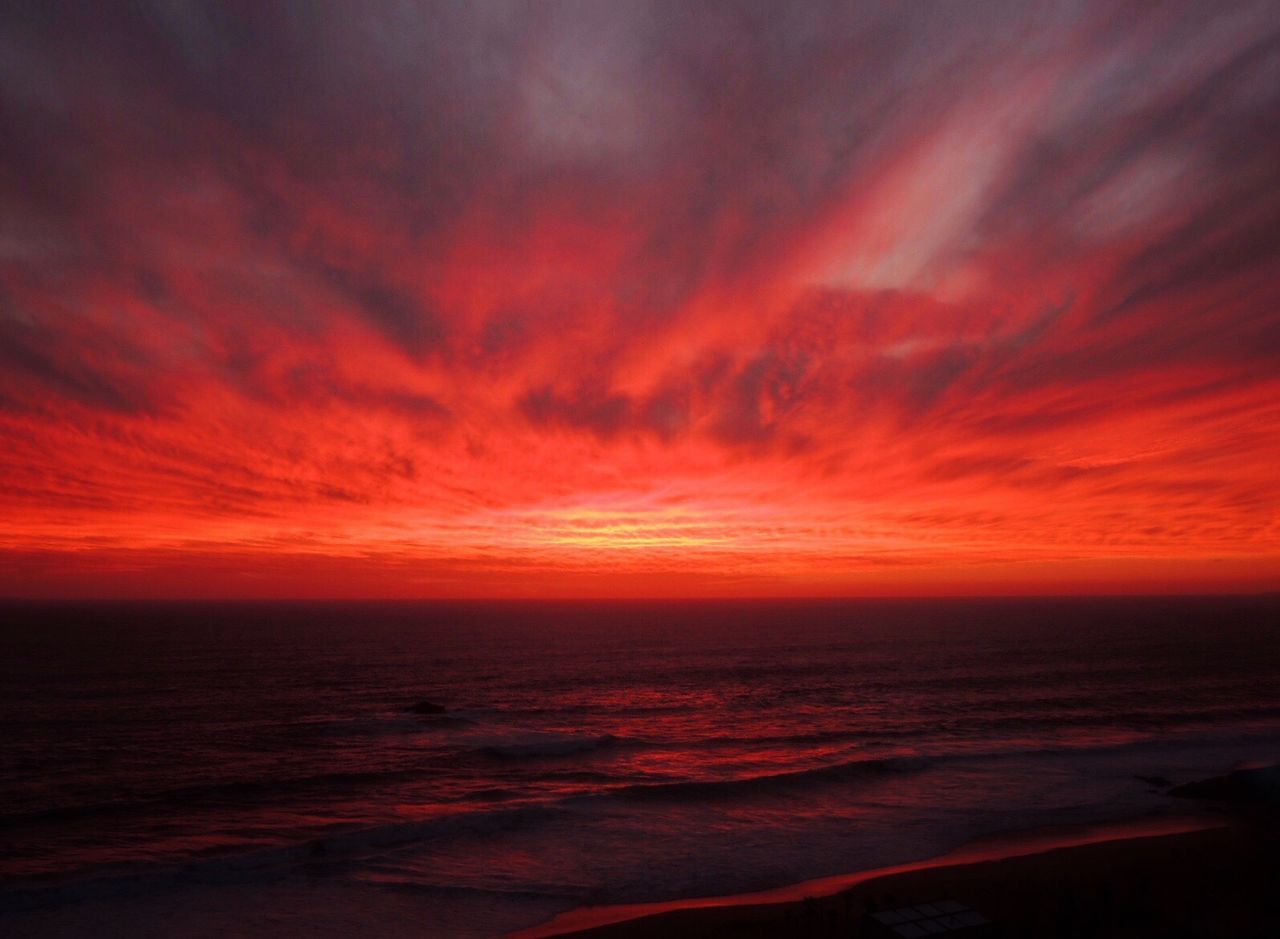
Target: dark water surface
[(205, 767)]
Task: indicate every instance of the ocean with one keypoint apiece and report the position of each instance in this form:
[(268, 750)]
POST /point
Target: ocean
[(245, 768)]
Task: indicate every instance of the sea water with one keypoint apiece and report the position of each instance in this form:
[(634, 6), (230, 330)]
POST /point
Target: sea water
[(204, 768)]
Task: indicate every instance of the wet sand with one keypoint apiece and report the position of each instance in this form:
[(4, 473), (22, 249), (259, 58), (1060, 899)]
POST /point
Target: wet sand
[(1188, 876)]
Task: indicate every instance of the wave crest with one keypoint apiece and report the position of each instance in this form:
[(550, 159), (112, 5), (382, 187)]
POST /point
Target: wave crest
[(754, 785), (533, 744)]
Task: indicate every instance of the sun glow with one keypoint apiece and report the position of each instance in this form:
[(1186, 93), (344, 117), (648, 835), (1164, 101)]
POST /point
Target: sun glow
[(625, 307)]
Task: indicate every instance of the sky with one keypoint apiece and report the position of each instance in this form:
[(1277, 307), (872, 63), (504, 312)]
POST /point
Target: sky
[(396, 299)]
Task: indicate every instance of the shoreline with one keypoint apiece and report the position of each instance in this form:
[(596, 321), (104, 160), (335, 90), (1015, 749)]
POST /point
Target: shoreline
[(733, 912)]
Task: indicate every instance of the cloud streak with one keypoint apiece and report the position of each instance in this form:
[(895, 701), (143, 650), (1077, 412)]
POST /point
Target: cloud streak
[(578, 298)]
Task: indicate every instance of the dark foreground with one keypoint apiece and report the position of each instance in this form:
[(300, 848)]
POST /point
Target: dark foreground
[(1209, 883)]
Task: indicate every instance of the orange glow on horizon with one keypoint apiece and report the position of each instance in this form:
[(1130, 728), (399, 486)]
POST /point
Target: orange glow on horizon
[(631, 316)]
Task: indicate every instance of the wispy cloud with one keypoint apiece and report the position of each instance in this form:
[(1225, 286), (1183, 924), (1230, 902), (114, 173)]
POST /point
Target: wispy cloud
[(587, 298)]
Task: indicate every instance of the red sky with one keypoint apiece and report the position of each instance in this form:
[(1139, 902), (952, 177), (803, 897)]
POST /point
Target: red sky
[(639, 299)]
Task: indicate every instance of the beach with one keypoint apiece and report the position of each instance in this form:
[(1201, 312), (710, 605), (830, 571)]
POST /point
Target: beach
[(1207, 882)]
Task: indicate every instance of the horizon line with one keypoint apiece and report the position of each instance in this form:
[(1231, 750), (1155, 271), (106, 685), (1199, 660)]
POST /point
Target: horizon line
[(702, 598)]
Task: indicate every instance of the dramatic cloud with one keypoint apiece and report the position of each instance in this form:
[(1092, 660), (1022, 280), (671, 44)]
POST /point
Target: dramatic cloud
[(457, 299)]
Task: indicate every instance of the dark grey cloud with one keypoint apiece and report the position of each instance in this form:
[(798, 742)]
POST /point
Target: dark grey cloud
[(361, 148), (103, 372)]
